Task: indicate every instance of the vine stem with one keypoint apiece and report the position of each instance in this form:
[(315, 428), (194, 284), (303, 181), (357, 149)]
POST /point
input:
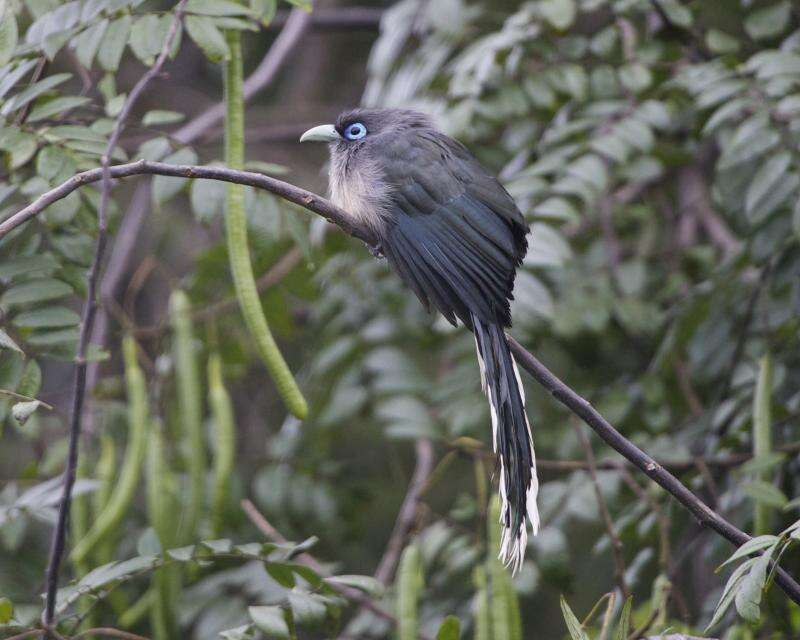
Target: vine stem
[(563, 393), (58, 542)]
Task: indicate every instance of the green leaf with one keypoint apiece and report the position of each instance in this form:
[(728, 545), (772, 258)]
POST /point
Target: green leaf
[(765, 493), (305, 5), (748, 596), (205, 35), (208, 199), (306, 608), (635, 77), (720, 42), (729, 592), (753, 545), (676, 13), (217, 8), (59, 337), (264, 10), (144, 40), (88, 42), (40, 264), (9, 34), (367, 584), (53, 161), (47, 317), (574, 627), (752, 138), (161, 116), (31, 380), (762, 463), (113, 44), (33, 91), (271, 620), (6, 610), (7, 343), (559, 13), (450, 629), (768, 22), (282, 574), (35, 291), (763, 185), (24, 410), (624, 620), (55, 106)]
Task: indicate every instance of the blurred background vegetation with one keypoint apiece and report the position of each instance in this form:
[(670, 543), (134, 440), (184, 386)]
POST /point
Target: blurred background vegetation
[(655, 148)]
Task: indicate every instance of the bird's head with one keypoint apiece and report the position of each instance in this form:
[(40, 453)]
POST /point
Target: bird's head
[(365, 128)]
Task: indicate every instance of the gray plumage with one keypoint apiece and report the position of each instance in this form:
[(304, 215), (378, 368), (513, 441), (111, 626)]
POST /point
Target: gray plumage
[(455, 236)]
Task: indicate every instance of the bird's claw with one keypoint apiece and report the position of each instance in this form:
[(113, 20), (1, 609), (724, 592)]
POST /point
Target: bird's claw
[(376, 250)]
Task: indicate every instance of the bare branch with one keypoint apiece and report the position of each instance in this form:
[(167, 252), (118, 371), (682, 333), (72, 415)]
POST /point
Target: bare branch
[(87, 322), (305, 199), (408, 511)]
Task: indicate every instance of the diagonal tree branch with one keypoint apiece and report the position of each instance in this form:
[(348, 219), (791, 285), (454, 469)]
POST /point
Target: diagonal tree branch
[(563, 393), (87, 322)]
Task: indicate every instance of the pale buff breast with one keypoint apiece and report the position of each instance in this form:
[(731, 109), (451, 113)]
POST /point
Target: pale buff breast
[(361, 190)]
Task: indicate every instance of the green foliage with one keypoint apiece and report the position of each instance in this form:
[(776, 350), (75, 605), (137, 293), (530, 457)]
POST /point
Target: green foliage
[(658, 166)]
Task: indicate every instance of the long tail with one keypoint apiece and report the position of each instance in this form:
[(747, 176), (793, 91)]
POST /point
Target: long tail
[(512, 440)]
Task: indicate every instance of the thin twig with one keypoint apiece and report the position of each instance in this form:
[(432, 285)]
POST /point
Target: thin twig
[(89, 310), (616, 542), (408, 511)]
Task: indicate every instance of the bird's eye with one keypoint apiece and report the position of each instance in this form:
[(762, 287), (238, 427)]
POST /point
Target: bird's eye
[(355, 131)]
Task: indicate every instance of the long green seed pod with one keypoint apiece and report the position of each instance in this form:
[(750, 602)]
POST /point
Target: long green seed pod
[(106, 467), (191, 411), (236, 231), (409, 584), (225, 438), (483, 628), (161, 513), (125, 489), (762, 437)]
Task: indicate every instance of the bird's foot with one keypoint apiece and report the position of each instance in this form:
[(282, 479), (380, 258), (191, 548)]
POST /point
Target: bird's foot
[(376, 250)]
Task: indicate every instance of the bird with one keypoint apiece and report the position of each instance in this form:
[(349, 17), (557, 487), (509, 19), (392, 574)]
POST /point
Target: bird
[(455, 237)]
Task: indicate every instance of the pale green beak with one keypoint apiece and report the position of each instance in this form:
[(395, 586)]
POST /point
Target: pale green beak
[(322, 133)]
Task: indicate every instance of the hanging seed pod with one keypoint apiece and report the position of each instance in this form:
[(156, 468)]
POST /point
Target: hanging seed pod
[(225, 440), (409, 585), (236, 233), (191, 410), (125, 489)]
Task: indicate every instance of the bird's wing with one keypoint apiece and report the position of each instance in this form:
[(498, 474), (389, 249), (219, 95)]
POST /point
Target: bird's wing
[(456, 236)]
